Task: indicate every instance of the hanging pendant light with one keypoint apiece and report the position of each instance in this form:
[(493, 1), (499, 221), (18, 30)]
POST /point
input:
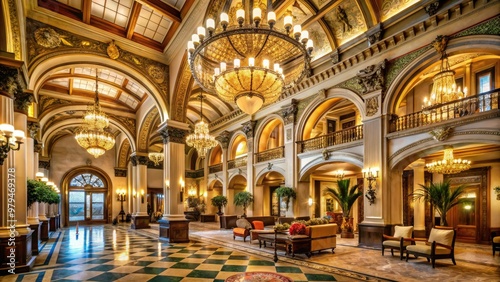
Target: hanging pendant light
[(201, 139)]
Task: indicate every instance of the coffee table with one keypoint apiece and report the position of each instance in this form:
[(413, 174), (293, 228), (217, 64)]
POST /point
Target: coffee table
[(258, 277), (276, 239)]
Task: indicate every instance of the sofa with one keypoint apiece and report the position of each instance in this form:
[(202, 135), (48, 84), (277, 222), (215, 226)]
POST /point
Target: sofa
[(269, 221), (289, 220), (322, 236)]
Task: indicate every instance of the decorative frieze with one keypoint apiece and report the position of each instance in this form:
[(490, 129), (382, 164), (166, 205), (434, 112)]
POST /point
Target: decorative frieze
[(120, 172), (172, 134)]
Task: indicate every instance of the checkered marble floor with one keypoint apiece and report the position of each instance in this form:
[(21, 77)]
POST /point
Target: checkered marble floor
[(108, 253)]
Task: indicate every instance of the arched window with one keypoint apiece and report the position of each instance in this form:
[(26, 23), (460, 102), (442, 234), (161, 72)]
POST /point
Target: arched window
[(86, 180), (87, 198)]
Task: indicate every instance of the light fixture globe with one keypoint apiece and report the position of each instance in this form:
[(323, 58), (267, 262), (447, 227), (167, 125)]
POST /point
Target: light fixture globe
[(241, 58)]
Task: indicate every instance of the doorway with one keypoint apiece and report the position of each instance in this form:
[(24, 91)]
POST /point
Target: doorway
[(87, 198)]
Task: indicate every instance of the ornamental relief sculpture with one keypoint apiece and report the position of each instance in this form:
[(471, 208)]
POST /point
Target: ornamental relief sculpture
[(372, 77), (371, 106)]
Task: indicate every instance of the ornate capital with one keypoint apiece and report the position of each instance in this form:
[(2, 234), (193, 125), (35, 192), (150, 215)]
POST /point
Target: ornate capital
[(9, 81), (45, 164), (139, 160), (172, 134), (289, 112), (371, 106), (38, 145), (248, 128), (33, 127), (22, 100), (120, 172), (223, 138), (372, 77), (432, 8)]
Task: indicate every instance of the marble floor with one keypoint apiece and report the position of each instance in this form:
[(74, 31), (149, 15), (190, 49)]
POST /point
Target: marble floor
[(116, 253)]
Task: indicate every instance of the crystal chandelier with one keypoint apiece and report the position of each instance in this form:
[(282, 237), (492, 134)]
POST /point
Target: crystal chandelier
[(201, 139), (444, 88), (156, 157), (448, 165), (92, 135), (243, 62)]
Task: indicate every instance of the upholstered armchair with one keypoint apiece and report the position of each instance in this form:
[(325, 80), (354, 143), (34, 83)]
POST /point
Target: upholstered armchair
[(440, 245), (397, 241), (495, 241), (242, 229)]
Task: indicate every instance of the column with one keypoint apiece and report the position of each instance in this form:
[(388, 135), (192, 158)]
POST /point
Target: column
[(140, 219), (291, 180), (130, 189), (418, 206), (248, 129)]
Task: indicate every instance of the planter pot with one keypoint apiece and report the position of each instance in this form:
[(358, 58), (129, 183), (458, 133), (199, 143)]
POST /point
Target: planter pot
[(347, 228)]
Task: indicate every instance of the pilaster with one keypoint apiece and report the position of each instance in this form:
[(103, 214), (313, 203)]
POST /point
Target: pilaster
[(418, 206), (140, 219)]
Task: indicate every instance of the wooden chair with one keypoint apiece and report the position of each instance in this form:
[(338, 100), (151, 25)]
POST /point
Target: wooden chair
[(242, 229), (495, 241), (440, 245), (397, 242)]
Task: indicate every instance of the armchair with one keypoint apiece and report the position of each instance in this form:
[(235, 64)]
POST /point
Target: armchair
[(242, 229), (440, 245), (397, 240), (495, 241)]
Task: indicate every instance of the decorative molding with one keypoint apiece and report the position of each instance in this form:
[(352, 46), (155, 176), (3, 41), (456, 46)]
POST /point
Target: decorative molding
[(335, 56), (432, 8), (372, 106), (9, 81), (372, 78), (144, 133), (45, 102), (441, 133), (45, 164), (248, 128), (326, 154), (139, 160), (289, 112), (269, 166), (182, 89), (223, 138), (112, 50), (174, 135), (129, 123), (15, 27), (33, 128), (23, 100), (124, 153), (415, 144), (120, 172), (375, 34)]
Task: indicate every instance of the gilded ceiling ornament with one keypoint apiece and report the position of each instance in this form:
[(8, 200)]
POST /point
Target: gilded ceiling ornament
[(441, 134), (47, 37), (113, 51), (156, 73)]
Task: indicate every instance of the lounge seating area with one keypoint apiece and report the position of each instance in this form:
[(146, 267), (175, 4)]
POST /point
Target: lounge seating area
[(397, 241), (440, 245)]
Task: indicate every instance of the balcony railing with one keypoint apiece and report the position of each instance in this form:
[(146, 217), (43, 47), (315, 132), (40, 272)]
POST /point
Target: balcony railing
[(238, 162), (271, 154), (215, 168), (338, 137), (468, 106), (194, 173)]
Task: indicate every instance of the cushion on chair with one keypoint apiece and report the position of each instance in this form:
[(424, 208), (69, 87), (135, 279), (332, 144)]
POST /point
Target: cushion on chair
[(403, 231), (259, 225), (239, 231), (393, 243), (496, 239), (425, 249), (444, 237), (243, 223)]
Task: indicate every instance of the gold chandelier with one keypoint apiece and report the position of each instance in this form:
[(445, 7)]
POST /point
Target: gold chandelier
[(448, 165), (243, 62), (444, 88), (201, 139), (156, 157), (92, 135)]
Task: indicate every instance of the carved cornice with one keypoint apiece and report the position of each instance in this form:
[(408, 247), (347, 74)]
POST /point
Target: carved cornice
[(289, 112), (120, 172), (248, 128), (223, 138), (432, 8), (174, 135), (372, 78)]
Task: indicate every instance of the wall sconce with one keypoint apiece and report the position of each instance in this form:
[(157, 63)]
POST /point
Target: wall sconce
[(192, 191), (370, 174), (310, 201), (339, 174), (44, 179), (167, 184), (10, 139), (121, 197), (134, 194), (182, 189), (142, 196), (39, 175)]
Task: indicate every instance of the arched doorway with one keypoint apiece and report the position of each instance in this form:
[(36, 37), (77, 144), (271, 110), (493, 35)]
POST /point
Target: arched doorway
[(87, 198)]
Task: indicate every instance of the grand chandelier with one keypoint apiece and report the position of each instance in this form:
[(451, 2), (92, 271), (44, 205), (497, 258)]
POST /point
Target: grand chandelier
[(201, 139), (448, 165), (444, 88), (156, 157), (243, 62), (92, 135)]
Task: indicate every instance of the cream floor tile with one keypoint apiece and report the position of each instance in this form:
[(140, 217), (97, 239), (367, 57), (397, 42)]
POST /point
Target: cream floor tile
[(252, 268), (236, 262), (190, 279), (82, 266), (176, 272), (136, 277), (164, 264), (218, 257), (84, 275), (207, 266), (296, 276), (193, 260), (179, 255), (151, 258), (225, 274), (126, 269)]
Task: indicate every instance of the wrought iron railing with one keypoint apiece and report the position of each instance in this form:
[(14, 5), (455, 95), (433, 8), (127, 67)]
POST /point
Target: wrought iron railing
[(270, 154), (215, 168), (194, 173), (468, 106), (338, 137), (238, 162)]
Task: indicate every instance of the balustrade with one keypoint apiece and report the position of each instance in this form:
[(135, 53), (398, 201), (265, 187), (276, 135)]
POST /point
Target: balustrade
[(270, 154), (215, 168), (238, 162), (335, 138)]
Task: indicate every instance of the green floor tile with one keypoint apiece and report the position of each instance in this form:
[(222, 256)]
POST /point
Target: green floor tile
[(166, 278), (234, 268), (320, 277), (214, 261), (151, 270), (203, 274), (288, 269), (261, 262), (185, 265)]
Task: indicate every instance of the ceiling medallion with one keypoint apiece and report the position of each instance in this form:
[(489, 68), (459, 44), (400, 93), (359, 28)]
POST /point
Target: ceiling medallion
[(448, 165), (249, 63), (92, 135)]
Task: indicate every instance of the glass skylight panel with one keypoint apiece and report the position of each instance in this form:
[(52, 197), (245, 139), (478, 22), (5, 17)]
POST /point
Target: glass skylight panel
[(111, 76), (129, 100), (60, 81), (114, 11), (152, 24), (86, 71), (62, 71), (72, 3), (175, 3), (135, 88)]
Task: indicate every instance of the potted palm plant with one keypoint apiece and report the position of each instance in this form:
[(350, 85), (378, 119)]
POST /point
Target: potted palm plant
[(243, 199), (441, 196), (286, 194), (346, 197), (219, 201)]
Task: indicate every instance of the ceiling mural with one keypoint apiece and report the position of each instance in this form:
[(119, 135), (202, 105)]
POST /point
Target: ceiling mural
[(322, 47), (346, 22), (392, 7)]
